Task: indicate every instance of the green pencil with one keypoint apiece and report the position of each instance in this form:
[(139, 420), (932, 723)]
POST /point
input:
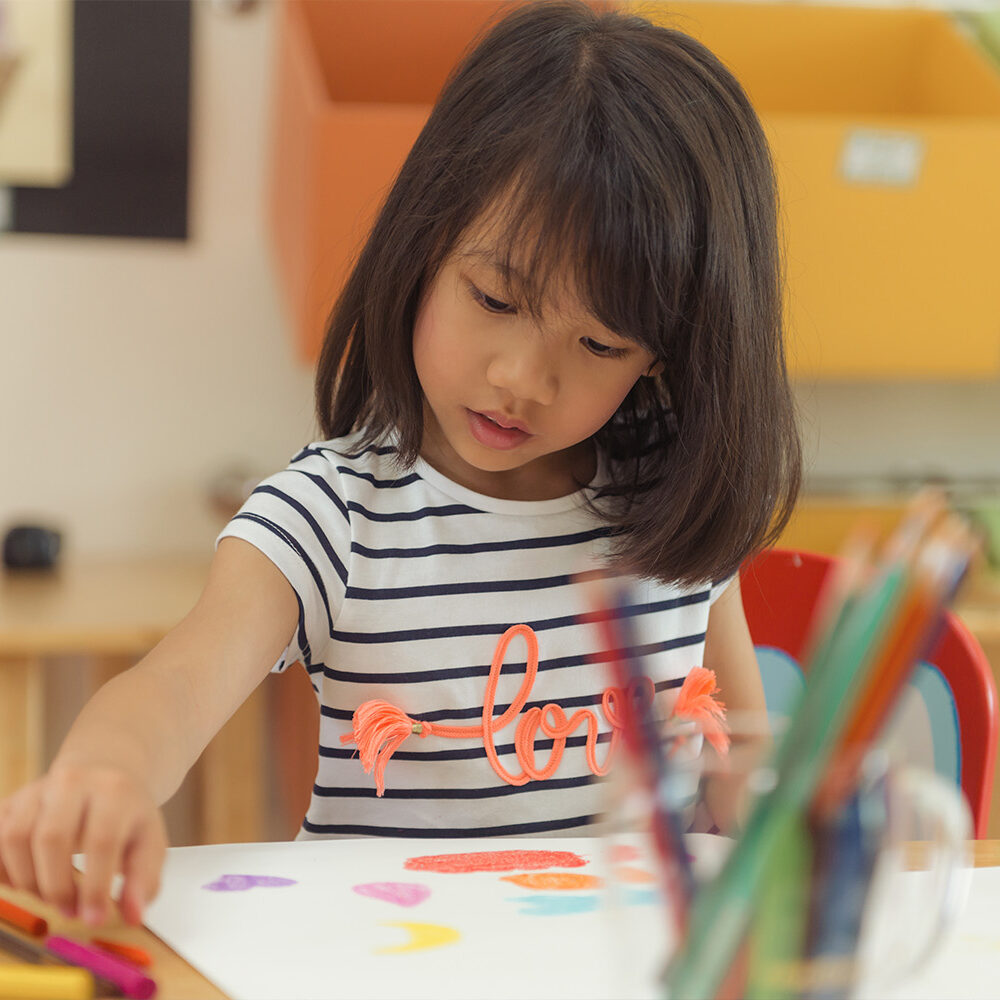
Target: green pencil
[(722, 909)]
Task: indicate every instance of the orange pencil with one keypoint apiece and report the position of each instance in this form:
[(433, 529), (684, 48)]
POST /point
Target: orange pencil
[(936, 567), (23, 919), (130, 952)]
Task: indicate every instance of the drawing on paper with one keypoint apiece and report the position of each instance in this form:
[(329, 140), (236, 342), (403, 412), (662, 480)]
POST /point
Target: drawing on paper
[(400, 893), (554, 880), (240, 883), (421, 936), (495, 861)]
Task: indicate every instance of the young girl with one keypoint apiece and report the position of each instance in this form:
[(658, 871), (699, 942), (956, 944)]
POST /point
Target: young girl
[(560, 348)]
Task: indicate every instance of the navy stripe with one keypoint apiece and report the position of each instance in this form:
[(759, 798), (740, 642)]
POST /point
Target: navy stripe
[(551, 541), (449, 510), (556, 663), (372, 449), (468, 587), (379, 484), (511, 830), (294, 545), (327, 489), (322, 452), (338, 566), (347, 714), (550, 784), (302, 640), (468, 753), (498, 628)]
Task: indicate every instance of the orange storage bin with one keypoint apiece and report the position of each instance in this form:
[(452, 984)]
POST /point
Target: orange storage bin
[(885, 128), (355, 81)]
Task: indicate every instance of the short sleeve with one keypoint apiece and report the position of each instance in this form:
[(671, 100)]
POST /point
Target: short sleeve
[(299, 520), (719, 587)]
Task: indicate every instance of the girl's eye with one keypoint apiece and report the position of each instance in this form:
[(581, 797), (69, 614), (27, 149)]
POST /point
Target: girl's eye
[(602, 350), (491, 304)]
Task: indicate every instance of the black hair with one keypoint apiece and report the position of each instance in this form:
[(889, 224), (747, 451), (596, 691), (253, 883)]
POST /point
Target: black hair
[(626, 156)]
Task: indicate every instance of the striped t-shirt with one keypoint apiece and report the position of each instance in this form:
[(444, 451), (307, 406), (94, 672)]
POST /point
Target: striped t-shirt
[(406, 584)]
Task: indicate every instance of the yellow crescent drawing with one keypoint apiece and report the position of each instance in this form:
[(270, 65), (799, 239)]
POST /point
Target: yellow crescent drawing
[(421, 936)]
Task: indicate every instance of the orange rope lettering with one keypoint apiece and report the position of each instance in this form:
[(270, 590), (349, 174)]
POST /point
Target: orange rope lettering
[(379, 728)]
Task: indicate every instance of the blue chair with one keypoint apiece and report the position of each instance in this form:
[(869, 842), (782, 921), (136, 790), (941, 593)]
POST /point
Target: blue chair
[(946, 719)]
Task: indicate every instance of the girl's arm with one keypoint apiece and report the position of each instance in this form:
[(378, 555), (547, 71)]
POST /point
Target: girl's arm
[(135, 740), (729, 652)]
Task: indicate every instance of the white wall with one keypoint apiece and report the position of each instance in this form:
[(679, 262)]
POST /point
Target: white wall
[(131, 371)]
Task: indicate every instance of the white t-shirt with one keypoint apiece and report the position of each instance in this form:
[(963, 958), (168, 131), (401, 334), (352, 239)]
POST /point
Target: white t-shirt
[(406, 584)]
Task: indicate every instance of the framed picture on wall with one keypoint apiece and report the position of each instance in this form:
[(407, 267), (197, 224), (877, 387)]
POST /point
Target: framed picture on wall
[(130, 99)]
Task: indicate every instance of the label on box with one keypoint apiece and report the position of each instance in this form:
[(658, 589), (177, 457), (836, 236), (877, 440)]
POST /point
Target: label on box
[(872, 156)]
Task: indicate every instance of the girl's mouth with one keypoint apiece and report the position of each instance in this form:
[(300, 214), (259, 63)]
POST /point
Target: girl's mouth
[(490, 433)]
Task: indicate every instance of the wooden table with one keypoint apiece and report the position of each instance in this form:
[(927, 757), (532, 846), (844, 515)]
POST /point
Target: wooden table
[(113, 612), (179, 981)]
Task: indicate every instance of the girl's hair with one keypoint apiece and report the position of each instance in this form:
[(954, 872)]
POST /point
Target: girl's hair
[(623, 158)]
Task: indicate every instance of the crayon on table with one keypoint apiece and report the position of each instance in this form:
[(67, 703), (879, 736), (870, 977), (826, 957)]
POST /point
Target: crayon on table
[(130, 952), (45, 982), (19, 947), (131, 981), (22, 918), (29, 951)]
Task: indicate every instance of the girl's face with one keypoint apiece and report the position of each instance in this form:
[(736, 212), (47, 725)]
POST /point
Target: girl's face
[(511, 400)]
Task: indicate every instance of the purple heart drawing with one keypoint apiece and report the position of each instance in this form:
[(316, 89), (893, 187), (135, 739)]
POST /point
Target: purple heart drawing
[(240, 883), (401, 893)]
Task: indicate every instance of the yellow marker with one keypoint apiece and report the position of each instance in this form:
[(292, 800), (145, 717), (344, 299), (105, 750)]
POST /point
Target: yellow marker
[(45, 982)]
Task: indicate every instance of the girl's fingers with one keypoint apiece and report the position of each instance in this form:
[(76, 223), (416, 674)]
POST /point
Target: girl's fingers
[(105, 827), (141, 867), (56, 836), (15, 838)]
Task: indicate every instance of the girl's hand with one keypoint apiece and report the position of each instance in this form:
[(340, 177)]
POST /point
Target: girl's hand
[(103, 811)]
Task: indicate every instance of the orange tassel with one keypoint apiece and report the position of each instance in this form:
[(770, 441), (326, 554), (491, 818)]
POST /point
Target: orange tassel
[(379, 730), (696, 701)]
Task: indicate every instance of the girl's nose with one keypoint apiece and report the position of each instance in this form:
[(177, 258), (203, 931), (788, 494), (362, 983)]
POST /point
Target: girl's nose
[(525, 371)]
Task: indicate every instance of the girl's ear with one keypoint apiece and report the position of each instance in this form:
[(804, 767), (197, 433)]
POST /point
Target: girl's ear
[(654, 369)]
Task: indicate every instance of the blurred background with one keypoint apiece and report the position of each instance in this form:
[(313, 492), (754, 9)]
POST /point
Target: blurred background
[(182, 185)]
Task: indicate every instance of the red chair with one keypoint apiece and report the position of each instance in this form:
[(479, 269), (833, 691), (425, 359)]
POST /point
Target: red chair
[(780, 588)]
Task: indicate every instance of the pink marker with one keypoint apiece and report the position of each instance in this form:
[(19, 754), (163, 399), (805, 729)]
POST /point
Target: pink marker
[(126, 977)]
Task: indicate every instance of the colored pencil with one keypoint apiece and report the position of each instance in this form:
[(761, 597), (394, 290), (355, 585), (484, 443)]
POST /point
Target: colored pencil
[(22, 918), (12, 944), (131, 953), (131, 981), (875, 631), (21, 948), (45, 982), (645, 743)]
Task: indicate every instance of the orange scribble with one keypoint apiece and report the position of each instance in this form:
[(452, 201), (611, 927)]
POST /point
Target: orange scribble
[(554, 880), (636, 876)]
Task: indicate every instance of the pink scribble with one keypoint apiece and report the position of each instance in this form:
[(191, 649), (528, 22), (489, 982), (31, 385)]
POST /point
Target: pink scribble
[(624, 852), (495, 861), (401, 893), (240, 883)]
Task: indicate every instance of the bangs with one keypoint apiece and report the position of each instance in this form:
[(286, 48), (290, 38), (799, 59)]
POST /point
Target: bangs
[(586, 227)]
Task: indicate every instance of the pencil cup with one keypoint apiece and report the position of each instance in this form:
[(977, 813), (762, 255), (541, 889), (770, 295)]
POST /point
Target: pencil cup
[(832, 907), (920, 882)]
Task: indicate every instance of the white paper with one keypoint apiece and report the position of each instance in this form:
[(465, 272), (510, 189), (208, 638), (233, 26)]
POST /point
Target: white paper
[(321, 937), (331, 931), (966, 965)]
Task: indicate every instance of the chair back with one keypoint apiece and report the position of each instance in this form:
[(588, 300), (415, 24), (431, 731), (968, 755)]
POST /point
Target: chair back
[(947, 717)]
